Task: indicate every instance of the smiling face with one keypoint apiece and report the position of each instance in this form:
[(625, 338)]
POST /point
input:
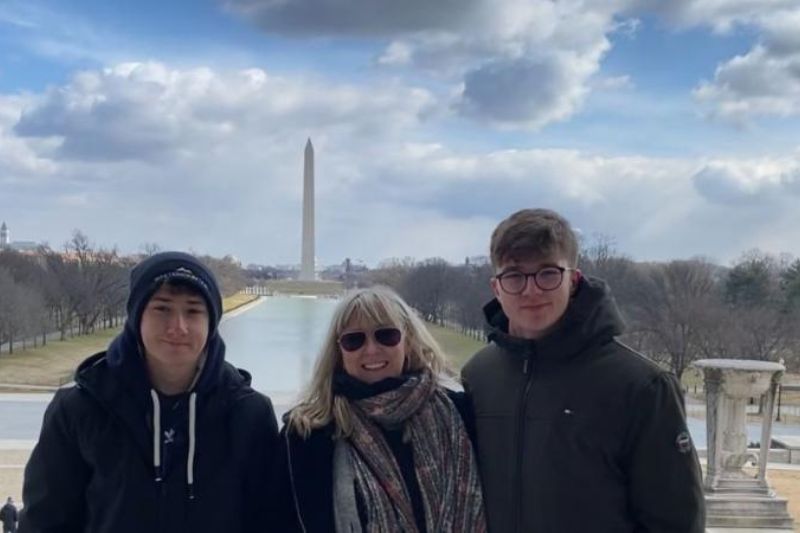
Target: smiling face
[(533, 313), (174, 330), (374, 360)]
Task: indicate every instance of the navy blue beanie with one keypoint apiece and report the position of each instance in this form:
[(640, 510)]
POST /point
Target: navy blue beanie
[(166, 267)]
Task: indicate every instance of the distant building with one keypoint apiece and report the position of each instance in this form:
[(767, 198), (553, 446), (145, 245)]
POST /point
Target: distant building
[(20, 246)]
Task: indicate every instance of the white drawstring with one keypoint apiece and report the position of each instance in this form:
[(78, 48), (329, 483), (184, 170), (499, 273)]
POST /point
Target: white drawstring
[(157, 438), (190, 459), (156, 433)]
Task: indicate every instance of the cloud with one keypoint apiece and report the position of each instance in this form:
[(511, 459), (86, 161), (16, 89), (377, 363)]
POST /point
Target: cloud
[(353, 17), (526, 92), (148, 111), (226, 178), (738, 183), (764, 81), (721, 15), (759, 83), (518, 63), (19, 160)]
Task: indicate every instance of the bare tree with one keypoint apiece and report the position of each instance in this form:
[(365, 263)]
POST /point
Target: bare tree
[(670, 308), (426, 289)]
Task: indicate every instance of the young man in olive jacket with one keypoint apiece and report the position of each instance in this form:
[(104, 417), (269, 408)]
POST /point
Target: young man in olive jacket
[(576, 432), (159, 433)]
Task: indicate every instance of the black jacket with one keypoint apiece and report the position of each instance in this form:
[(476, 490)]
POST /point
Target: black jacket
[(115, 456), (576, 432), (92, 470), (8, 516), (307, 470)]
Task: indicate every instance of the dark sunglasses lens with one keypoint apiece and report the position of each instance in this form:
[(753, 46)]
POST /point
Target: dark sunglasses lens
[(388, 336), (352, 341)]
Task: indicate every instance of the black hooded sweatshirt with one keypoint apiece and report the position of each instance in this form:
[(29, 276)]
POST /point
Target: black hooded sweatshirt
[(101, 466), (577, 432)]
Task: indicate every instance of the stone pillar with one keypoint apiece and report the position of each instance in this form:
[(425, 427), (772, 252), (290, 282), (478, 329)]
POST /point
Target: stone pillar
[(735, 499)]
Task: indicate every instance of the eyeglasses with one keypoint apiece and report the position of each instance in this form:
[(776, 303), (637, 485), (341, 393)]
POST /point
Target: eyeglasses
[(352, 341), (547, 279)]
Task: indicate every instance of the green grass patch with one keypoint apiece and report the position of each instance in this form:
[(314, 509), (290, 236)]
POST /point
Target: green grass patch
[(458, 347), (54, 364)]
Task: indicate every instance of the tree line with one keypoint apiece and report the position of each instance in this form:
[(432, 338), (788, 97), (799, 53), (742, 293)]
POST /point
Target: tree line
[(76, 291), (675, 311)]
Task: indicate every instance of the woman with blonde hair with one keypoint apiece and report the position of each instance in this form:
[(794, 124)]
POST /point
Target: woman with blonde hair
[(377, 443)]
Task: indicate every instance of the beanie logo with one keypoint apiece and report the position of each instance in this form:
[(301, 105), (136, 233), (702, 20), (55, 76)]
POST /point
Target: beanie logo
[(182, 273)]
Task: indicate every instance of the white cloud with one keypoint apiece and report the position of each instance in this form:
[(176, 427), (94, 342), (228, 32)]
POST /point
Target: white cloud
[(226, 174), (721, 15), (613, 83), (147, 111), (736, 182), (765, 81), (520, 63), (19, 160), (758, 83)]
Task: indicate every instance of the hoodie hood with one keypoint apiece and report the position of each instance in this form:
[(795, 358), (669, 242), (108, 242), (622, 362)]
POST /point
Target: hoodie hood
[(124, 355), (591, 317)]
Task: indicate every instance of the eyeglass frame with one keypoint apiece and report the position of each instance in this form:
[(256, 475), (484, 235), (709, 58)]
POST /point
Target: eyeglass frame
[(535, 275)]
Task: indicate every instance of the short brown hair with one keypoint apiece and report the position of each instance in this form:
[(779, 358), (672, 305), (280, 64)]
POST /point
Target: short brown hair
[(533, 233)]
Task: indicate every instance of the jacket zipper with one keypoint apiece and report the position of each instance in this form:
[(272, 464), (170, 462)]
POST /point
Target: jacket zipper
[(527, 371)]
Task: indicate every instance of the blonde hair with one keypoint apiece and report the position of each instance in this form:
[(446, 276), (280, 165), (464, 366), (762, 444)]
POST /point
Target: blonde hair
[(374, 306)]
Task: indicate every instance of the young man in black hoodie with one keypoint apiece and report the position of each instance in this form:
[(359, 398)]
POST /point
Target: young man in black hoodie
[(576, 432), (159, 432)]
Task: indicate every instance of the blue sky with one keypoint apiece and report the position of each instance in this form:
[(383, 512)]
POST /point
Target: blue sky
[(672, 128)]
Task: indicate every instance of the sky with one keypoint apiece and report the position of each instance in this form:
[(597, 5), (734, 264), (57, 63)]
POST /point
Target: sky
[(671, 129)]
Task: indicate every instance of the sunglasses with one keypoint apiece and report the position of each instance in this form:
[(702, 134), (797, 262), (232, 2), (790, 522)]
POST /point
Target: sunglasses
[(354, 340)]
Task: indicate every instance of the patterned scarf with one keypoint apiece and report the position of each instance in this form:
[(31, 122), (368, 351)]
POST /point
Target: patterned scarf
[(444, 461)]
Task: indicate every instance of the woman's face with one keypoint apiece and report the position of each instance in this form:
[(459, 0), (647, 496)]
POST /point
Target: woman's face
[(371, 353)]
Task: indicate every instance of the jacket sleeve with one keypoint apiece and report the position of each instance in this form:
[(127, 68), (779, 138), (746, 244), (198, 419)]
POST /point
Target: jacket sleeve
[(665, 482), (56, 475), (259, 490)]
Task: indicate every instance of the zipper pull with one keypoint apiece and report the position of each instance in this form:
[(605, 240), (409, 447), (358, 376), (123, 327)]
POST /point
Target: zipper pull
[(525, 366)]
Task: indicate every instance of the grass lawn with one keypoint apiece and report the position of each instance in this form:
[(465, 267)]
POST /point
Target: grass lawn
[(320, 287), (54, 364), (458, 347)]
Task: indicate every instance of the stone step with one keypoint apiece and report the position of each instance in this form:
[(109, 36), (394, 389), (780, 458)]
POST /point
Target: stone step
[(747, 511)]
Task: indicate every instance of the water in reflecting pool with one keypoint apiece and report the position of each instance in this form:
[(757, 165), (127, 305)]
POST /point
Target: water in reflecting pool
[(278, 340)]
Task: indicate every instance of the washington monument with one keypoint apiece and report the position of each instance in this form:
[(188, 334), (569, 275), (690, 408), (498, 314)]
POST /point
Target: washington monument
[(307, 258)]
